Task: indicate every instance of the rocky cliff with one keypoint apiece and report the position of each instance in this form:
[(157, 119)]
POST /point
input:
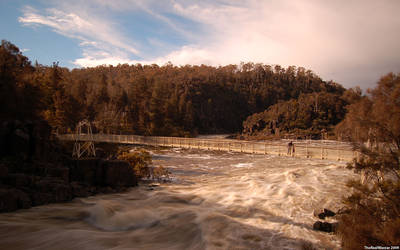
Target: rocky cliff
[(33, 171)]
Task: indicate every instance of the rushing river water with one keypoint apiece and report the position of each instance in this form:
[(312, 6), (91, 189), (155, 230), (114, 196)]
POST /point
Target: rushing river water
[(214, 201)]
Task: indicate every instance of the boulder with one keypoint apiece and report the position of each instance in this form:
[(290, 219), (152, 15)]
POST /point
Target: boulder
[(8, 200), (326, 213), (79, 190), (24, 201), (60, 172), (329, 213), (13, 199), (325, 226), (18, 180), (39, 198), (119, 173), (57, 190), (62, 192), (96, 172)]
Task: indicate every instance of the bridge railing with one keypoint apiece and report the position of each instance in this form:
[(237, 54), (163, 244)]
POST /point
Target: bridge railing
[(329, 152)]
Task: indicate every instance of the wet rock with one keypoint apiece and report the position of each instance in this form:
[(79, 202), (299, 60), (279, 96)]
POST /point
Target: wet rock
[(39, 198), (24, 201), (119, 173), (95, 172), (18, 180), (43, 182), (60, 172), (105, 190), (79, 190), (13, 199), (59, 190), (325, 213), (329, 213), (8, 201), (62, 192), (325, 226)]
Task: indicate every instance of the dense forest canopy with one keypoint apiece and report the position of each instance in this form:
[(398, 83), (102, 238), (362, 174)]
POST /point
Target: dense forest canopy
[(309, 115), (159, 100)]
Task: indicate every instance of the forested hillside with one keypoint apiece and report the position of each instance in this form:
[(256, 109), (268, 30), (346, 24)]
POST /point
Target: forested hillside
[(310, 115), (158, 100)]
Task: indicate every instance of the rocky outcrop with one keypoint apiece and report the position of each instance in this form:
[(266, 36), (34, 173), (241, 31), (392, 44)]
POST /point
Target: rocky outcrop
[(98, 172), (118, 174), (34, 170), (48, 183), (12, 199)]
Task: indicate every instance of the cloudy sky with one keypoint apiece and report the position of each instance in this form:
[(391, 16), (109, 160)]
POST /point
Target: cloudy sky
[(352, 42)]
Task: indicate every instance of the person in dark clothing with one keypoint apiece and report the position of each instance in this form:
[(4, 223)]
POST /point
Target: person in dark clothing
[(290, 148)]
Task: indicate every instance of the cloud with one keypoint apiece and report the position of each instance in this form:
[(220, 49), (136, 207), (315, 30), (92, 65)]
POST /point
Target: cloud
[(96, 36), (351, 42), (347, 41), (99, 35)]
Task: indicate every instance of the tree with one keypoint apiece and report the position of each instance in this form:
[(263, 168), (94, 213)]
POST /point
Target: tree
[(19, 98), (376, 118)]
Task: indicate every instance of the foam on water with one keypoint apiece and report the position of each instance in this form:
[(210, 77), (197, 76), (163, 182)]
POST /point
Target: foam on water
[(109, 216), (242, 165)]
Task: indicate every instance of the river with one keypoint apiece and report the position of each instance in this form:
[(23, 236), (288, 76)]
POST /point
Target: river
[(215, 200)]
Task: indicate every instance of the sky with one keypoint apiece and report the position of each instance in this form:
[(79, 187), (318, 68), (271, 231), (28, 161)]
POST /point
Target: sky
[(352, 42)]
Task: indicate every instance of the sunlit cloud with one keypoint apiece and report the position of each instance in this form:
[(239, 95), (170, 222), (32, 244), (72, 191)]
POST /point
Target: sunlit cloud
[(344, 41)]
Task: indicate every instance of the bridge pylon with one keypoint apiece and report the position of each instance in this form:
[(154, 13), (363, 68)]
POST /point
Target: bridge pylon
[(84, 143)]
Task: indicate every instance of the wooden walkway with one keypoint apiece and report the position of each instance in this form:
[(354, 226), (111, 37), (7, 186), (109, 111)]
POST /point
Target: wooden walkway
[(304, 150)]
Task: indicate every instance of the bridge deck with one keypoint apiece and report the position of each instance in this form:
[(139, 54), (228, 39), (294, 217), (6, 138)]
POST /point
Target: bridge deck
[(304, 150)]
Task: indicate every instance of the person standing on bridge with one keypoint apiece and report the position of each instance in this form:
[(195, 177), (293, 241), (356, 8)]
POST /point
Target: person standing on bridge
[(290, 148)]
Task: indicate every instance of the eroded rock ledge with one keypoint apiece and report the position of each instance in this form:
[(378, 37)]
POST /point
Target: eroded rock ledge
[(47, 183)]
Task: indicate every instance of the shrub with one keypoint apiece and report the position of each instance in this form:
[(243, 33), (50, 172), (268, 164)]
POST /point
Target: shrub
[(139, 160), (372, 215), (160, 173)]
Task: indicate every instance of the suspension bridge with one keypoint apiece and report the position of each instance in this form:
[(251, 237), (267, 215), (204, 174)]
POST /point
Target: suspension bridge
[(336, 151)]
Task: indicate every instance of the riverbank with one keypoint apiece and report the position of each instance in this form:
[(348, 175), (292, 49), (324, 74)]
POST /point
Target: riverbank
[(36, 169), (48, 183)]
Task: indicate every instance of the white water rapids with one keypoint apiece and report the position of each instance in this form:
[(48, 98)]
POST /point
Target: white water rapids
[(215, 201)]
